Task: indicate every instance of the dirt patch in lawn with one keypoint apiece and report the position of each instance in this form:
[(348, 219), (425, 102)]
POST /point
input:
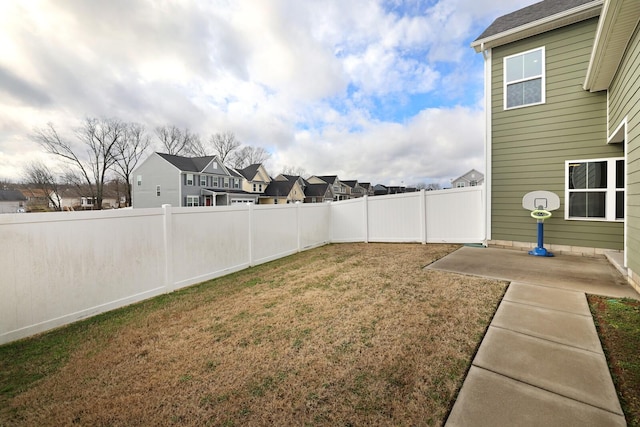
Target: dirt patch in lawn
[(348, 334), (618, 324)]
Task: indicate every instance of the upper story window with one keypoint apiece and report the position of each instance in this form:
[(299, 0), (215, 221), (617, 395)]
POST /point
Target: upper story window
[(595, 189), (139, 180), (203, 180), (524, 79), (157, 191), (189, 179)]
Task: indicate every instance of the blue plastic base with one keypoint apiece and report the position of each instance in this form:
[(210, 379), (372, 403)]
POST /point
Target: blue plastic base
[(540, 252)]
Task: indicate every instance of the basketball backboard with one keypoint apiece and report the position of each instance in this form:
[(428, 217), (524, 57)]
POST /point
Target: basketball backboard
[(541, 200)]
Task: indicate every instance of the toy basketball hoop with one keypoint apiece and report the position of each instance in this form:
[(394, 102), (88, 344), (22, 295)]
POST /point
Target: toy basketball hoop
[(541, 203)]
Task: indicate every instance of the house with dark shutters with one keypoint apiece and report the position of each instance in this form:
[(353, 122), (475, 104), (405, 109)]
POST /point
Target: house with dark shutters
[(187, 181)]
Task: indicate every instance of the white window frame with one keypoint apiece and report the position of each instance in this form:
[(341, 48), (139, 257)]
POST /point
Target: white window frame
[(461, 184), (189, 179), (139, 180), (193, 201), (203, 180), (542, 76), (610, 191), (157, 191)]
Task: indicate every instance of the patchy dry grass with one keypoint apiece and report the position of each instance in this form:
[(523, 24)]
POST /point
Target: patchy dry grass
[(350, 334)]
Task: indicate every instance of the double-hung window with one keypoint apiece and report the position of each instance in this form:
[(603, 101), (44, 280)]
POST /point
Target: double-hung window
[(193, 201), (524, 79), (203, 180), (189, 179), (594, 189)]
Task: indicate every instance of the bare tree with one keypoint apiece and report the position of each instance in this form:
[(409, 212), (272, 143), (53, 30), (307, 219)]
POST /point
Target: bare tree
[(295, 171), (99, 138), (38, 175), (224, 144), (428, 187), (128, 151), (177, 142), (249, 155)]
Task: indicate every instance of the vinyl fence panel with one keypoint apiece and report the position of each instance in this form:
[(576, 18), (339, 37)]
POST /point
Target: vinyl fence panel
[(60, 267), (57, 268)]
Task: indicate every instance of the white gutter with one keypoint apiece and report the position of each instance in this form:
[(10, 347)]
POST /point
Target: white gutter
[(576, 14), (487, 143)]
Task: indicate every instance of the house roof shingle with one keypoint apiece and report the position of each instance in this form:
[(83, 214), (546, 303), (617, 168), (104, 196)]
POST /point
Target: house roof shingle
[(316, 190), (250, 171), (187, 164), (279, 188), (529, 14), (11, 196)]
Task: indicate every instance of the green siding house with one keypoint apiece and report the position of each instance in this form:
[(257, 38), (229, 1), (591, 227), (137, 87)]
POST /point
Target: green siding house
[(562, 90)]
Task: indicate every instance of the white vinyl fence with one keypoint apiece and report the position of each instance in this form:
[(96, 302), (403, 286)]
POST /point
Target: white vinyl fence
[(57, 268)]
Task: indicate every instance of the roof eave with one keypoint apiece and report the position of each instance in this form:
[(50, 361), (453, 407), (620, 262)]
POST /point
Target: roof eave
[(559, 20), (616, 26)]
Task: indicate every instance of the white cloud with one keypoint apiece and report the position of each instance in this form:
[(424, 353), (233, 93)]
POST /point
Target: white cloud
[(309, 81)]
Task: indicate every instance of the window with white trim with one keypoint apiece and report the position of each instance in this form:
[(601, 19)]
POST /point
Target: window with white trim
[(139, 180), (157, 191), (189, 179), (193, 201), (594, 189), (203, 180), (460, 184), (524, 79)]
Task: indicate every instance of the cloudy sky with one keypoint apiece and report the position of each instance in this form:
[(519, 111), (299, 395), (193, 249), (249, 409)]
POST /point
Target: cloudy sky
[(381, 91)]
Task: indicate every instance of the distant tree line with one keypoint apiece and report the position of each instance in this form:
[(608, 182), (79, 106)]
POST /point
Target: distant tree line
[(101, 149)]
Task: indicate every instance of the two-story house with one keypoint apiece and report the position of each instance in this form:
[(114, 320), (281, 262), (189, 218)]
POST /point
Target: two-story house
[(562, 86), (187, 181), (355, 189), (339, 189), (283, 191), (256, 178), (470, 179)]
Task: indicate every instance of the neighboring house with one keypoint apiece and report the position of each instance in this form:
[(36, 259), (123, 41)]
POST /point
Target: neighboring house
[(368, 188), (282, 177), (339, 189), (355, 189), (562, 84), (380, 190), (12, 201), (37, 199), (470, 179), (73, 198), (186, 181), (256, 178), (318, 193), (281, 192)]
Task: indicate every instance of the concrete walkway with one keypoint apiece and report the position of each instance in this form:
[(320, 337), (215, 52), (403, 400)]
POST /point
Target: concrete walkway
[(540, 362)]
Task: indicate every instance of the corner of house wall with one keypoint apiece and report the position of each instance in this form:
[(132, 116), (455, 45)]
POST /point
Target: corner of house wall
[(634, 279)]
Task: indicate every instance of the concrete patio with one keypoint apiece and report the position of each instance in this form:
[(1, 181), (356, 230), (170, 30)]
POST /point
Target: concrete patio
[(540, 362)]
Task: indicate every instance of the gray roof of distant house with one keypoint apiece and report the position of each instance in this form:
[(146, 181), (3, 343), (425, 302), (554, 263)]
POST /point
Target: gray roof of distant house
[(11, 196), (351, 183), (187, 164), (328, 178), (529, 14), (250, 171), (316, 190), (279, 188)]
